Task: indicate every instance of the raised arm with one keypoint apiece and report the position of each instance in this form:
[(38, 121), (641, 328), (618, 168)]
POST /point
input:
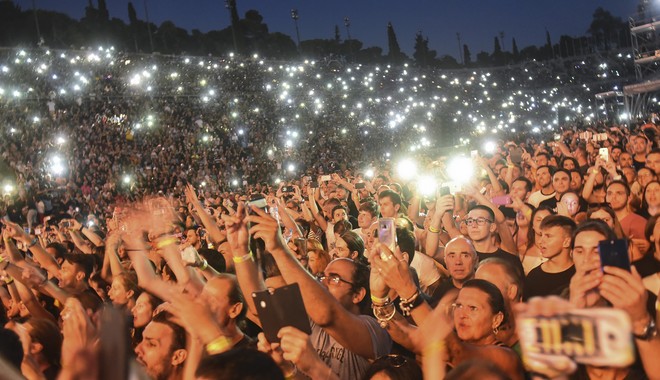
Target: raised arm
[(321, 306), (214, 232)]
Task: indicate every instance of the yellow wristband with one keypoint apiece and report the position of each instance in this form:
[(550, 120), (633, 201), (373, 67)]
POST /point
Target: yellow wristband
[(218, 345), (242, 259), (166, 242), (433, 230), (434, 348), (595, 171), (378, 300)]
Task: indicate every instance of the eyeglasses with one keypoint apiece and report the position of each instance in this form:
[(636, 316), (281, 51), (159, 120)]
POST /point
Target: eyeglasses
[(470, 310), (480, 221), (395, 361), (333, 278)]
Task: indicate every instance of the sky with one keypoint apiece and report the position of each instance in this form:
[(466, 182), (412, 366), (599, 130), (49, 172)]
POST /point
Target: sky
[(477, 21)]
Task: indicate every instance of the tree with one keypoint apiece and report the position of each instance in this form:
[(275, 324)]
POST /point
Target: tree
[(394, 51), (424, 57), (132, 15), (104, 15), (497, 58), (467, 57), (337, 35), (497, 49), (605, 27), (514, 49), (483, 58)]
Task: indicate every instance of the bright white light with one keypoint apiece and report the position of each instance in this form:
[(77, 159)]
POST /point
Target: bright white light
[(127, 179), (234, 182), (8, 188), (288, 143), (489, 147), (460, 170), (203, 184), (205, 138), (60, 140), (369, 173), (277, 181), (240, 131), (407, 169), (291, 167), (426, 185), (57, 168)]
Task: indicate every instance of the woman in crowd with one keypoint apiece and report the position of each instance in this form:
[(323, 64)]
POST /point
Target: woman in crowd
[(317, 257)]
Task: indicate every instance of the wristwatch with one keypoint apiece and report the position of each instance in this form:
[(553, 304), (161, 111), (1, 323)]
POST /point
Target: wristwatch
[(650, 331)]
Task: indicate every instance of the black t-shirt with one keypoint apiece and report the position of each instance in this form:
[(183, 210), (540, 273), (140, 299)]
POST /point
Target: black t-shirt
[(541, 283), (445, 286), (638, 165), (506, 256), (647, 265)]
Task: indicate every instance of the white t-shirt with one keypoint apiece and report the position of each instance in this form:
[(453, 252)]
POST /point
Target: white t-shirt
[(537, 197), (426, 270)]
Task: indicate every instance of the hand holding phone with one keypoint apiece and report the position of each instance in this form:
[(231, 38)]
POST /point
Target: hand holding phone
[(283, 307), (387, 233)]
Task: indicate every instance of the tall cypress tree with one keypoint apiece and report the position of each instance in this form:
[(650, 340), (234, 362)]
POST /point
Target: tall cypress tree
[(394, 52), (467, 56)]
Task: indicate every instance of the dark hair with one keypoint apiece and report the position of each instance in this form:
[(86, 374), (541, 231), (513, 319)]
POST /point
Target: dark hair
[(596, 226), (645, 204), (567, 224), (551, 170), (85, 263), (528, 184), (354, 242), (406, 241), (214, 260), (47, 333), (394, 197), (396, 367), (648, 229), (495, 297), (60, 249), (575, 163), (11, 348), (179, 338), (514, 276), (617, 226), (240, 363), (338, 207), (342, 227), (476, 369), (561, 170), (622, 183), (360, 279), (371, 207), (490, 211)]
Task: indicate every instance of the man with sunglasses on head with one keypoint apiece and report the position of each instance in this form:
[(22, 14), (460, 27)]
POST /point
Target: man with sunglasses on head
[(482, 228)]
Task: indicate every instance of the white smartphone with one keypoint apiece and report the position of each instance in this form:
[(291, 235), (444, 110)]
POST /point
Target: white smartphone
[(604, 153), (387, 233)]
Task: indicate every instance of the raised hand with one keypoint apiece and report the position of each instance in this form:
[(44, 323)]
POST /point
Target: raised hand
[(394, 269), (267, 228)]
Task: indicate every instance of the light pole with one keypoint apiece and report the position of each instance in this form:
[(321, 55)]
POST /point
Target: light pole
[(146, 15), (347, 24), (460, 48), (229, 4), (295, 17), (36, 23)]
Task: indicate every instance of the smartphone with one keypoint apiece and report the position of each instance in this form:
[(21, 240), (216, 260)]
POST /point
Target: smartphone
[(387, 233), (115, 345), (283, 307), (614, 253), (314, 185), (288, 189), (189, 255), (597, 336), (37, 231), (360, 185), (604, 153), (66, 224), (444, 190), (503, 200), (326, 178), (257, 245), (516, 155)]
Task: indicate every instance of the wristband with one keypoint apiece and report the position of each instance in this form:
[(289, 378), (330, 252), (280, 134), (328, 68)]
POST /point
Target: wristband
[(595, 171), (166, 242), (433, 230), (9, 280), (291, 375), (204, 266), (434, 348), (218, 345), (242, 259), (379, 301)]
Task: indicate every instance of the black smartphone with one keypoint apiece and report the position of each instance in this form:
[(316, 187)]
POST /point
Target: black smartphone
[(360, 185), (614, 253), (314, 185), (288, 189), (257, 246), (516, 155), (283, 307)]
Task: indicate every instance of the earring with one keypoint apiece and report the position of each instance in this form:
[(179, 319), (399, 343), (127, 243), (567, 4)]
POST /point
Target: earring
[(496, 330)]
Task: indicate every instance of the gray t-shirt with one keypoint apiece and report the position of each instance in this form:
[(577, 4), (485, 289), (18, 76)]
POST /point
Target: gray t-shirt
[(346, 364)]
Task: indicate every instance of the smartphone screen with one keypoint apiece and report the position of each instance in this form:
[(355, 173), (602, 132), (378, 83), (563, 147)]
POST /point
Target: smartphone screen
[(444, 190), (614, 253), (516, 155), (359, 185), (604, 153), (387, 232)]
